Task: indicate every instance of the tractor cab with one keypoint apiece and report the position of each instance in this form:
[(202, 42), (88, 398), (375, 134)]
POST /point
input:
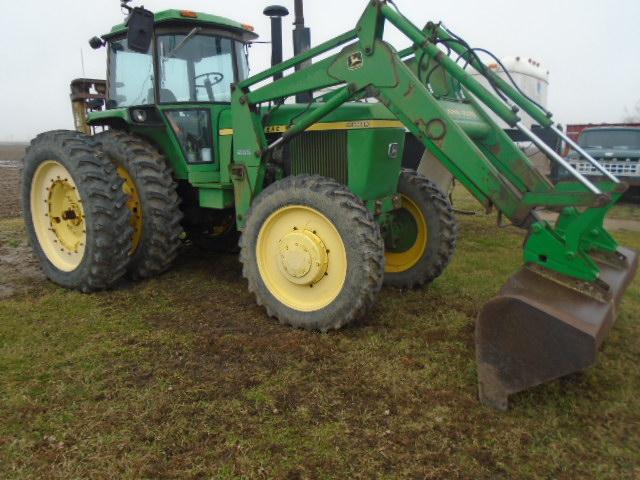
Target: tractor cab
[(192, 58), (183, 71)]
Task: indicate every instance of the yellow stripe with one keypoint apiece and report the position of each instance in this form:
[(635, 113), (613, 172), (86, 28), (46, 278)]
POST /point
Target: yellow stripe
[(352, 125)]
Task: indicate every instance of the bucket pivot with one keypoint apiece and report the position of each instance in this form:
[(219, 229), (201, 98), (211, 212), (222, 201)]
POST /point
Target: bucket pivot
[(543, 325)]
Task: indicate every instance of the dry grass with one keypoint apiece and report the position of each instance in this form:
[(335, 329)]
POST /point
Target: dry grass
[(184, 377)]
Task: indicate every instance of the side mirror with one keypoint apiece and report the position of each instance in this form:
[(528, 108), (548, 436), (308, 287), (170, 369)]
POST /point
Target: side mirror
[(140, 24), (96, 43), (95, 103)]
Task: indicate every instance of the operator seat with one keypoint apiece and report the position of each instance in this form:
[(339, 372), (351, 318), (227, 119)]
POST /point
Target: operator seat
[(166, 96)]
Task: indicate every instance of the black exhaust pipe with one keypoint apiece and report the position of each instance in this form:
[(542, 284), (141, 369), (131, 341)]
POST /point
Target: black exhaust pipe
[(301, 43), (301, 34), (276, 12)]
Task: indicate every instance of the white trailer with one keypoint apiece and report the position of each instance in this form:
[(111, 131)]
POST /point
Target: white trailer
[(530, 77)]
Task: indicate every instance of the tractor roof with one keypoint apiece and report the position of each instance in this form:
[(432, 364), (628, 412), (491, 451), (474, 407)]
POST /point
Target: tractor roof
[(187, 17)]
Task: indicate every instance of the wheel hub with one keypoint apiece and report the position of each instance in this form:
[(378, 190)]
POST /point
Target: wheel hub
[(58, 216), (303, 257), (133, 203), (407, 238), (294, 248), (66, 217)]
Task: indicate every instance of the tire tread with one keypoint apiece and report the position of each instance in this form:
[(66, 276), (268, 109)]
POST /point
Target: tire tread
[(105, 202), (161, 214), (365, 230), (448, 234)]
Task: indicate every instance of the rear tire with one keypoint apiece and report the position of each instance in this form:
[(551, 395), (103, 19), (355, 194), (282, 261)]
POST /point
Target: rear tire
[(152, 199), (312, 253), (422, 258), (75, 211)]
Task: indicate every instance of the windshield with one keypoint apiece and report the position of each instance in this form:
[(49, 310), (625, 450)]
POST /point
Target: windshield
[(197, 68), (615, 139), (130, 76)]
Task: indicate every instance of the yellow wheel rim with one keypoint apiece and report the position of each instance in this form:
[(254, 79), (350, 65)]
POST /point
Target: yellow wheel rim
[(58, 215), (133, 202), (402, 261), (301, 258)]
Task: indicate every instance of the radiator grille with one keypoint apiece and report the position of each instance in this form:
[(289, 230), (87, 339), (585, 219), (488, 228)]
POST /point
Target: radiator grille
[(620, 169), (322, 153)]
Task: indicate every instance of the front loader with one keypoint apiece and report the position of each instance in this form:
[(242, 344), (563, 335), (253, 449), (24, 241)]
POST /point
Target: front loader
[(325, 211)]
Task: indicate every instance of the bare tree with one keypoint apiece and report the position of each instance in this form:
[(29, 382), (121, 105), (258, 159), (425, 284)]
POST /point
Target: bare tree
[(633, 116)]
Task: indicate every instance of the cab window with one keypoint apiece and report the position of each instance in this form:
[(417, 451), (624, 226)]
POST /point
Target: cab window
[(130, 76), (196, 68)]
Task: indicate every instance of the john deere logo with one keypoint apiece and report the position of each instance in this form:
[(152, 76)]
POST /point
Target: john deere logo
[(355, 61)]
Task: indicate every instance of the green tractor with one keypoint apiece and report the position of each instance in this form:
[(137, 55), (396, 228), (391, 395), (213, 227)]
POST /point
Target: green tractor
[(314, 193)]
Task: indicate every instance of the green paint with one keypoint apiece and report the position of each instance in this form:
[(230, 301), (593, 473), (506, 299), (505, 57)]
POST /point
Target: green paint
[(204, 19), (101, 117), (217, 197), (401, 232), (373, 174)]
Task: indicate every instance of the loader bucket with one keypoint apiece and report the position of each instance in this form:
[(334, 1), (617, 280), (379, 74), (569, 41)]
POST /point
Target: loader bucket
[(542, 326)]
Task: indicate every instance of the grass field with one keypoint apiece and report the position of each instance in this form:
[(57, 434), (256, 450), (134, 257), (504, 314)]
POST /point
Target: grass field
[(625, 211), (184, 377)]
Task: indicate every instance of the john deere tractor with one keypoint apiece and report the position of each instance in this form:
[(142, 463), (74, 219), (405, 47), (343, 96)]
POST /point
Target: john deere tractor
[(193, 145)]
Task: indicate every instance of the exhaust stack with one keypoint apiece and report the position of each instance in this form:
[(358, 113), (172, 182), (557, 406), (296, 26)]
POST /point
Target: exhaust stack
[(275, 13), (301, 43)]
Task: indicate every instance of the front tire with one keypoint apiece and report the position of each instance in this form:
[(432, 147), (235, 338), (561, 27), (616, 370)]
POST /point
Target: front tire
[(312, 253), (422, 237), (75, 211)]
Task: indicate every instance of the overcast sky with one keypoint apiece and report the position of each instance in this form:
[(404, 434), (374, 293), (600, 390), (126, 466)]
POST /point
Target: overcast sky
[(591, 47)]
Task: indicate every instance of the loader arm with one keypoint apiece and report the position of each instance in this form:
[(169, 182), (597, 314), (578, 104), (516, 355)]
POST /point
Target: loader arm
[(551, 317), (490, 166)]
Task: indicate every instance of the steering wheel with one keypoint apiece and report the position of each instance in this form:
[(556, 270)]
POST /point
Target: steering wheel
[(208, 84), (217, 78)]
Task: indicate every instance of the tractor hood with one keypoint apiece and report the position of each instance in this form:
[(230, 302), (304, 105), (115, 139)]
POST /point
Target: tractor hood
[(350, 116)]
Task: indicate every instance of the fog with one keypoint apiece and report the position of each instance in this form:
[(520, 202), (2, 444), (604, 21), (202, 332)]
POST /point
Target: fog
[(591, 48)]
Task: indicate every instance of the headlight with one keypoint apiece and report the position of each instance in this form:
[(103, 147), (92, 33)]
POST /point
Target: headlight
[(139, 116)]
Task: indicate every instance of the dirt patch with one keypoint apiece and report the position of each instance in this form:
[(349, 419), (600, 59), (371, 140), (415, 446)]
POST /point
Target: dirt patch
[(10, 165), (10, 188), (12, 151), (19, 270)]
